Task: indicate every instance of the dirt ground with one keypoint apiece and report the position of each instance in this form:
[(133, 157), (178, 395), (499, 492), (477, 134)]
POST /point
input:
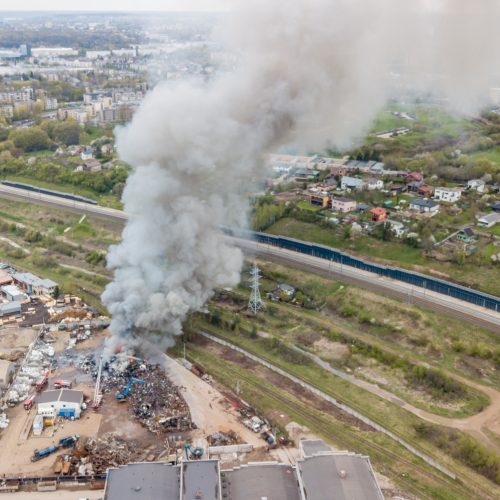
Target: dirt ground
[(209, 409), (15, 338), (16, 452)]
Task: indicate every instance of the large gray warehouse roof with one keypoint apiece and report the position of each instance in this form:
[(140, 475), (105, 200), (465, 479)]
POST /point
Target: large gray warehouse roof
[(200, 480), (65, 395), (256, 481), (145, 481), (338, 476), (313, 446)]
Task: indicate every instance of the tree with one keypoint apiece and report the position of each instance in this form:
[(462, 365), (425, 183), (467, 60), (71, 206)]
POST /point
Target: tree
[(30, 139), (57, 292), (67, 133)]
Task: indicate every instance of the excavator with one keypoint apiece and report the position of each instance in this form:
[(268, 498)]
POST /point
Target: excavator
[(122, 396)]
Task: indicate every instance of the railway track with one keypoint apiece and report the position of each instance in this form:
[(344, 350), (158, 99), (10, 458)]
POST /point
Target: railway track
[(479, 487), (322, 425)]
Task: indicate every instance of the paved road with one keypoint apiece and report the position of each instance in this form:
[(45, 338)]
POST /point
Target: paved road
[(470, 313)]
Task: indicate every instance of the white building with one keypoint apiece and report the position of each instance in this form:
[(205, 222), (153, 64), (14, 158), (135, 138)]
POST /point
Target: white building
[(476, 185), (489, 220), (450, 195), (34, 285), (374, 183), (10, 308), (12, 293), (62, 402), (348, 183), (397, 228)]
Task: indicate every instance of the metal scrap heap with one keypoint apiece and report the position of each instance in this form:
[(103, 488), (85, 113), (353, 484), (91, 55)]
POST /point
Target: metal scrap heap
[(109, 450), (155, 402)]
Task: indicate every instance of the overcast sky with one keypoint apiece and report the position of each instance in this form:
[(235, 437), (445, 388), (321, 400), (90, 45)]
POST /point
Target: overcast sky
[(118, 5)]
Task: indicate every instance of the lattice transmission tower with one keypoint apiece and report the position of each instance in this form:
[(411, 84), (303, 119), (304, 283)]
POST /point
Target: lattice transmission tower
[(255, 303)]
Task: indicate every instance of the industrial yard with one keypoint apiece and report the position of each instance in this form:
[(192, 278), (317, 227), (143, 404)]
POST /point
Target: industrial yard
[(69, 412)]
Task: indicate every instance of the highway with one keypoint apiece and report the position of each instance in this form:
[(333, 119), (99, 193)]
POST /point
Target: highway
[(465, 311)]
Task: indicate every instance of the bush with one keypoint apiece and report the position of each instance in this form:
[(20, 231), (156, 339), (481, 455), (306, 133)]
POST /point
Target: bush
[(30, 139), (464, 448)]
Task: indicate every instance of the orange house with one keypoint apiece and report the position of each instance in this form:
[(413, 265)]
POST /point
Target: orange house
[(378, 214)]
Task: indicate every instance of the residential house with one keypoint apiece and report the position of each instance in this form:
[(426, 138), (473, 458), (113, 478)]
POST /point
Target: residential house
[(397, 228), (414, 185), (5, 278), (396, 188), (374, 183), (466, 235), (450, 195), (489, 220), (425, 190), (424, 206), (34, 285), (320, 199), (476, 185), (92, 165), (287, 290), (348, 183), (414, 177), (343, 205), (339, 170), (496, 206), (87, 154), (378, 214), (306, 174)]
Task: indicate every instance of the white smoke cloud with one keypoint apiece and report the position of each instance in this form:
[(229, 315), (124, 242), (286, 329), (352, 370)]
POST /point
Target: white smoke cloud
[(312, 73)]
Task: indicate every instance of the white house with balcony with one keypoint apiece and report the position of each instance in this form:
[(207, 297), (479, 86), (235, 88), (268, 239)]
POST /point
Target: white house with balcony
[(450, 195)]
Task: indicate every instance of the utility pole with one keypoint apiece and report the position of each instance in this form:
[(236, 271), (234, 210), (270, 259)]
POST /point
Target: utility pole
[(255, 303)]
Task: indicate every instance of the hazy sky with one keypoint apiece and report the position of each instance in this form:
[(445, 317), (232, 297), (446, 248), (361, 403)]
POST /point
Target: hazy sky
[(120, 5)]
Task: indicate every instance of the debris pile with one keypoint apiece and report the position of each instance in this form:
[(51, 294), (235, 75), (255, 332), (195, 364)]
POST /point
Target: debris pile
[(33, 370), (149, 395), (110, 450), (220, 438)]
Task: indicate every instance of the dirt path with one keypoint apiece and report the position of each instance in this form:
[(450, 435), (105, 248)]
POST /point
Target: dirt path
[(14, 244), (82, 270), (210, 410), (477, 425)]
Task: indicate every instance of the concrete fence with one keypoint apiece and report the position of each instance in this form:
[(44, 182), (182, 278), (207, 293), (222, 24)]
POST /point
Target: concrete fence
[(334, 402)]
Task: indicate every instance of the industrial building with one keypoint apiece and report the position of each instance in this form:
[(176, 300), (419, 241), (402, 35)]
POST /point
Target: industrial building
[(10, 308), (62, 402), (34, 285), (12, 293), (321, 473)]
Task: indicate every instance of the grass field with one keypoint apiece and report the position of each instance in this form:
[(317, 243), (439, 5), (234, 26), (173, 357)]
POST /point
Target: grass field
[(106, 200)]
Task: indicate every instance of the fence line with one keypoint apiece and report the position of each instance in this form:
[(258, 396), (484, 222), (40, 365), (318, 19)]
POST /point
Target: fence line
[(333, 401)]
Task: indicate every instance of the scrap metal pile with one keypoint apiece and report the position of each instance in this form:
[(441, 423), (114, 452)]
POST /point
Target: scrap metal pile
[(147, 392), (109, 450)]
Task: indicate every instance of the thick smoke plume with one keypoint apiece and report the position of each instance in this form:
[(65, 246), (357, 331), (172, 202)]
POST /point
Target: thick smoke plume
[(311, 73)]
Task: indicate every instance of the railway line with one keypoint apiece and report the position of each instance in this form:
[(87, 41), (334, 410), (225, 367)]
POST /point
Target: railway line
[(471, 313), (321, 425)]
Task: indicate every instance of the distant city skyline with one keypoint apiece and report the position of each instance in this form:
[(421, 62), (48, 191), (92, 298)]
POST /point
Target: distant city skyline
[(120, 5)]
